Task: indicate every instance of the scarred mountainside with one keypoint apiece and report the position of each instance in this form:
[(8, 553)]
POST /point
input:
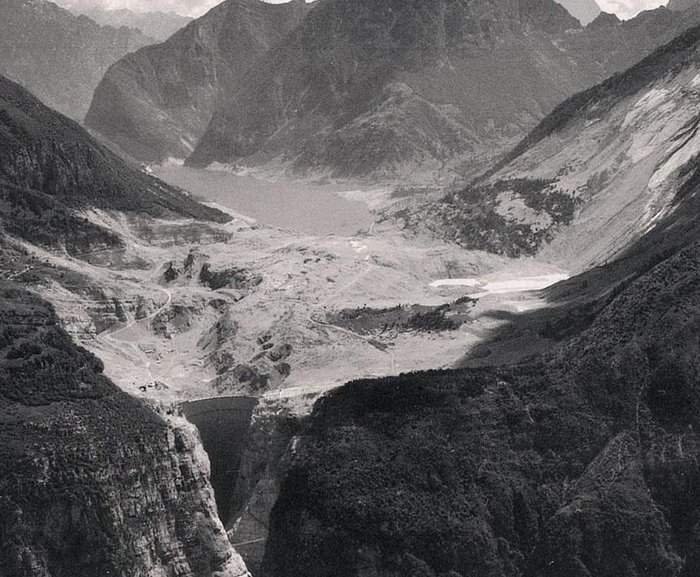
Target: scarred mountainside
[(157, 102), (585, 10), (42, 151), (411, 89), (596, 174), (58, 56), (92, 482), (580, 461)]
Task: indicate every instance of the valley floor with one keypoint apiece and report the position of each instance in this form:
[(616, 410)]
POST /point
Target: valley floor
[(273, 331)]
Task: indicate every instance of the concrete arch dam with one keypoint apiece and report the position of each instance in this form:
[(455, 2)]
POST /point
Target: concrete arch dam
[(223, 425)]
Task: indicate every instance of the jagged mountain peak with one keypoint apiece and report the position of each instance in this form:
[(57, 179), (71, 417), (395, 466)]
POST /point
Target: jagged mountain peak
[(157, 25)]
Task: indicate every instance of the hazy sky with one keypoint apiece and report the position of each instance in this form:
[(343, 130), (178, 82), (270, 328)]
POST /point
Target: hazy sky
[(629, 8), (623, 8)]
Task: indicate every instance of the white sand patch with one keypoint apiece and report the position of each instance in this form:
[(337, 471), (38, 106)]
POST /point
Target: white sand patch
[(503, 286), (475, 282), (172, 161)]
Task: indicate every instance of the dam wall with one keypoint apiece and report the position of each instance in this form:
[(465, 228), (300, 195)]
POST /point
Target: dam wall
[(223, 425)]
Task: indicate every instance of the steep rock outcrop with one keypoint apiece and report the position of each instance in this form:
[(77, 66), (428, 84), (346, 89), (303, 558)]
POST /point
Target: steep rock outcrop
[(58, 56), (157, 102), (92, 482)]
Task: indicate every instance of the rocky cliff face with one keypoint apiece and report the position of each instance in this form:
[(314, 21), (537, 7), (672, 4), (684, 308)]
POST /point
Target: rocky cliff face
[(157, 102), (58, 56), (92, 481), (597, 173)]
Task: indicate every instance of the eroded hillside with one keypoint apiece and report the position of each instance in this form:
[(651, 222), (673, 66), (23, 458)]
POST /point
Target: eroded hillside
[(596, 174)]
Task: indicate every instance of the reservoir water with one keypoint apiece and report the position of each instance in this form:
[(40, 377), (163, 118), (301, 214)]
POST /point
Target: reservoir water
[(310, 208)]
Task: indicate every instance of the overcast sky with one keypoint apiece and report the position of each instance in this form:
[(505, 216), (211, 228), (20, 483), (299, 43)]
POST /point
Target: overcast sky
[(623, 8), (629, 8)]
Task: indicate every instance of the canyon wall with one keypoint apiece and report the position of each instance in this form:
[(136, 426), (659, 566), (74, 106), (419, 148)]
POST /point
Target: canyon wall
[(223, 426), (92, 481)]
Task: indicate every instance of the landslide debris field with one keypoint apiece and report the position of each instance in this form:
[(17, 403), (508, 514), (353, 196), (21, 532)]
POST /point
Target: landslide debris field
[(186, 310)]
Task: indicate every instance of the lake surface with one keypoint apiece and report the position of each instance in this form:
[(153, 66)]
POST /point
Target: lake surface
[(309, 208)]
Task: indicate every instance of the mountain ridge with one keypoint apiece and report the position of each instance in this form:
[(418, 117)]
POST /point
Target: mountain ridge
[(387, 90), (58, 56), (596, 173), (45, 151), (157, 25), (368, 132), (157, 102)]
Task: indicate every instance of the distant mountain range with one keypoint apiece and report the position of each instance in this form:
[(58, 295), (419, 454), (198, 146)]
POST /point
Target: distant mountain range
[(156, 25), (158, 102), (58, 56), (387, 89)]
